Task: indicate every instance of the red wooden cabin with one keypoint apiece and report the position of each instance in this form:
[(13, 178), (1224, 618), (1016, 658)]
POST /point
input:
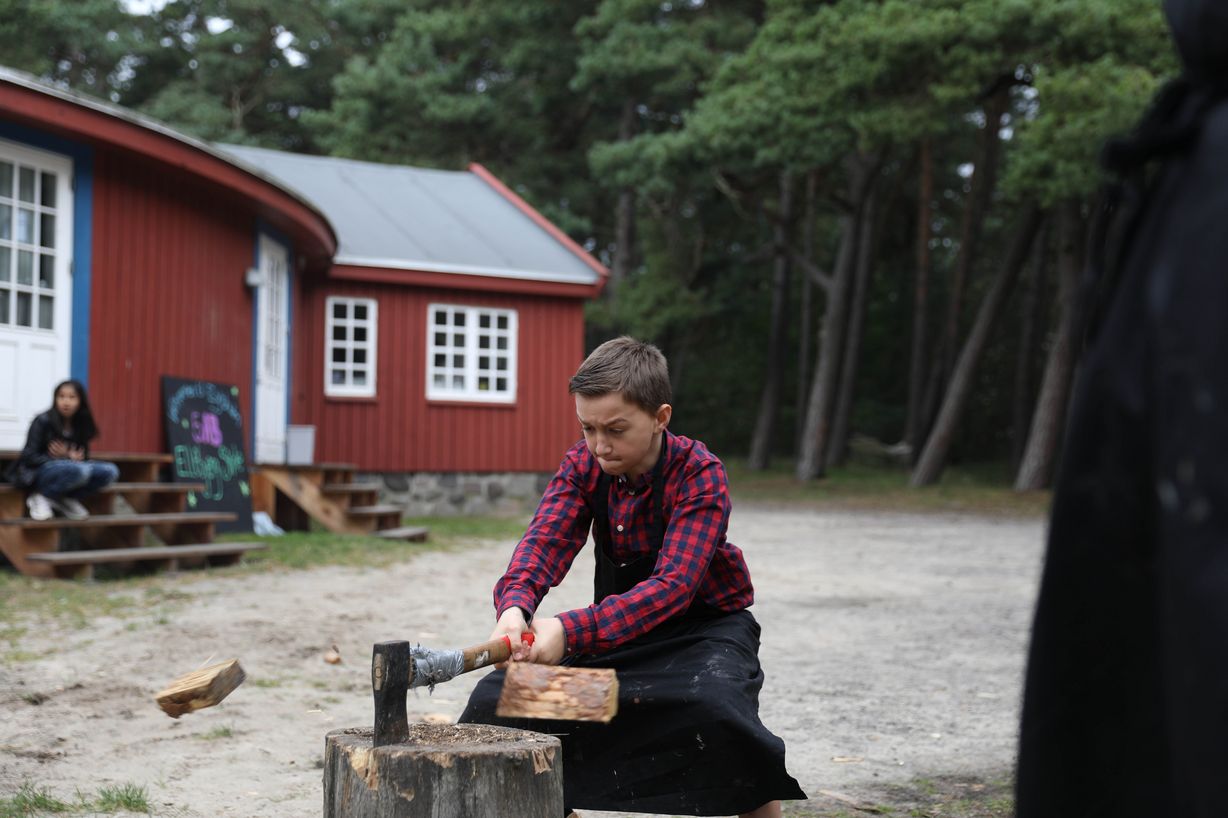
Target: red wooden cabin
[(420, 320)]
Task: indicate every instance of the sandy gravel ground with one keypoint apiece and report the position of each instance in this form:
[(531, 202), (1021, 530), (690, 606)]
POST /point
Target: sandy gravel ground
[(893, 648)]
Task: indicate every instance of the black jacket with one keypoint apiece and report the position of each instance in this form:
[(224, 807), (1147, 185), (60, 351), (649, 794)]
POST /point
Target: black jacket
[(1125, 712), (45, 428)]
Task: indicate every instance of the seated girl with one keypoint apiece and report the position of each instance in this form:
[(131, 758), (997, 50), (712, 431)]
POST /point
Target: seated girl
[(55, 465)]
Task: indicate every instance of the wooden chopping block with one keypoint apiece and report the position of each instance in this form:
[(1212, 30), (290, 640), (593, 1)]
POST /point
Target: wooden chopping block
[(201, 688), (533, 691)]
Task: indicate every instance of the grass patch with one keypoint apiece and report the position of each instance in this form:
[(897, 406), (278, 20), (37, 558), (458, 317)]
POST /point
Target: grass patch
[(217, 733), (25, 601), (308, 549), (31, 801), (128, 797), (983, 489), (938, 797)]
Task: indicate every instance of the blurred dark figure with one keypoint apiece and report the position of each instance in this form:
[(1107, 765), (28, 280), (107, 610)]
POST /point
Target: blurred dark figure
[(1126, 706)]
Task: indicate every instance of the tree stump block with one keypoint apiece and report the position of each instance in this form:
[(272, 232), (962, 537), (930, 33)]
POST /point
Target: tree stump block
[(444, 771)]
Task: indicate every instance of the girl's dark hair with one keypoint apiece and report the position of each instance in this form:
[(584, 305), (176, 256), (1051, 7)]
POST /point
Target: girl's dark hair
[(84, 427)]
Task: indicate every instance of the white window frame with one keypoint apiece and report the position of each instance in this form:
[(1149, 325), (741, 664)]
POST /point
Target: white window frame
[(349, 389), (471, 350), (55, 249)]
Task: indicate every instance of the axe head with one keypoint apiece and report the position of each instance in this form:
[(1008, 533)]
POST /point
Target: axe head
[(392, 673)]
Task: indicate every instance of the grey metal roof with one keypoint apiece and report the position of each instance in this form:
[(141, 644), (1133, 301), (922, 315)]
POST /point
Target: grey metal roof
[(399, 217)]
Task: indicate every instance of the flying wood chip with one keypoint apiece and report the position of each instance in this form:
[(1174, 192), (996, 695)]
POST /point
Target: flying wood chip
[(201, 688)]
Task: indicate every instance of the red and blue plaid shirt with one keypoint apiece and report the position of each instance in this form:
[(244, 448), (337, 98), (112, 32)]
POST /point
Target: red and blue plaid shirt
[(696, 561)]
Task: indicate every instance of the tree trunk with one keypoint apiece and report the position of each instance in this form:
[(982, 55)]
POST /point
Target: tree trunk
[(934, 457), (769, 400), (1040, 456), (444, 771), (1031, 319), (624, 215), (984, 179), (812, 454), (920, 309), (804, 313), (837, 451)]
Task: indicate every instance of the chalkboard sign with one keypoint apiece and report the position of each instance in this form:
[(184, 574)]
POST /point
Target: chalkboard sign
[(204, 433)]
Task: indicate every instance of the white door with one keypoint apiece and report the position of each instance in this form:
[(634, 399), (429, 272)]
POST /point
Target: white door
[(35, 284), (272, 351)]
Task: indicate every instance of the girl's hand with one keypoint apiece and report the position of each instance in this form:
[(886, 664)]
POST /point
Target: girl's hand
[(57, 449), (75, 453), (550, 641)]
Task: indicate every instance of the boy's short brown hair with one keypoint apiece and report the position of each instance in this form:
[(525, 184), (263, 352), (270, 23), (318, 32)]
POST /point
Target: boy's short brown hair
[(634, 369)]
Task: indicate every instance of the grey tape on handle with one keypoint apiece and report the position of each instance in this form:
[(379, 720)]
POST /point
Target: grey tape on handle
[(432, 667)]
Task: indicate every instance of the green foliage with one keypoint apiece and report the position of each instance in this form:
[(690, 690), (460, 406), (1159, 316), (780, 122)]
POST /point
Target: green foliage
[(86, 45), (1080, 107), (696, 108)]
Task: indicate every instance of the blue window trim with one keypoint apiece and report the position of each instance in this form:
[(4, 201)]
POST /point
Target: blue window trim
[(263, 228), (82, 156)]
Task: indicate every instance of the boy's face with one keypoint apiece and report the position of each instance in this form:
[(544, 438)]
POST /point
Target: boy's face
[(623, 437)]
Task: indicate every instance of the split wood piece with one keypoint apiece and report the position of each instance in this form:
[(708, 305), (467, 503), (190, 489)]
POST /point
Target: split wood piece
[(201, 688), (532, 691), (444, 771)]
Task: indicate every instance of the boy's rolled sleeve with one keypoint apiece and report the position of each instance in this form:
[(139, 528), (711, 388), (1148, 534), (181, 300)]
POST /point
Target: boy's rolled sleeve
[(545, 553)]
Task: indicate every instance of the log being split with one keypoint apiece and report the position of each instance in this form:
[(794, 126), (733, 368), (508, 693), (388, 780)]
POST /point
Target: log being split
[(201, 688), (568, 693)]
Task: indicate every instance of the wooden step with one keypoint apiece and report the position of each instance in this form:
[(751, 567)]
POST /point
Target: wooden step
[(306, 466), (153, 552), (373, 511), (133, 457), (115, 520), (410, 533), (350, 488), (83, 562), (120, 488)]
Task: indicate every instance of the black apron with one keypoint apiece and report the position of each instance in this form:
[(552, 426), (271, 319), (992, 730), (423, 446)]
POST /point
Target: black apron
[(687, 739)]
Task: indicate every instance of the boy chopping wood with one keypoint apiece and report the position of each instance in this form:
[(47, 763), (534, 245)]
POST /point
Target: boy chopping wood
[(669, 612)]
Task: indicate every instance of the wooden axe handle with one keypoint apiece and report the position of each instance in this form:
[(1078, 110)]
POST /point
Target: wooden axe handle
[(492, 652)]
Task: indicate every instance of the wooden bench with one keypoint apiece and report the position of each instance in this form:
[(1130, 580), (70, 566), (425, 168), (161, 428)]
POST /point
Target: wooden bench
[(134, 467), (409, 533), (144, 497), (81, 563), (22, 537)]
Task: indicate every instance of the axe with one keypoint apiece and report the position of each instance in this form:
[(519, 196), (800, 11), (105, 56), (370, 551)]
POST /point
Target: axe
[(529, 691)]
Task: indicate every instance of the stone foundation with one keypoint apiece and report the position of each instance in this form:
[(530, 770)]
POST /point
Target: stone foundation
[(448, 494)]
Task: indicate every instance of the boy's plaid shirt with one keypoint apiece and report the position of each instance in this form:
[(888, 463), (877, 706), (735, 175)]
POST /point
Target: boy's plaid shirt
[(695, 560)]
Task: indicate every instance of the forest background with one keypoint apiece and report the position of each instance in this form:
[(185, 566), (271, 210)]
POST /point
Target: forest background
[(855, 220)]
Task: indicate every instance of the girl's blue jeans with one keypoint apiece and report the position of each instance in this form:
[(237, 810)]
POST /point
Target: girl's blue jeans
[(73, 478)]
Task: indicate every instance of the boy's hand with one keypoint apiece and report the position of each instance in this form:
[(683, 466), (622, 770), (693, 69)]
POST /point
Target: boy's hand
[(550, 642), (511, 624)]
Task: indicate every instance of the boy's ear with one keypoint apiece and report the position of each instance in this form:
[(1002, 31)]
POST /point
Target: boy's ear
[(664, 413)]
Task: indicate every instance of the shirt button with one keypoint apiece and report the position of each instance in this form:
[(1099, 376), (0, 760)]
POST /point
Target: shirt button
[(620, 528)]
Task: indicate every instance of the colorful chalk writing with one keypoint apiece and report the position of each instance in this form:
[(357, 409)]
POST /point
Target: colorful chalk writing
[(204, 431), (205, 428)]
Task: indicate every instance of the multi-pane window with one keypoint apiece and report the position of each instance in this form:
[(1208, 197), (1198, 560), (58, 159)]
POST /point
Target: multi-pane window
[(27, 246), (349, 366), (471, 354)]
